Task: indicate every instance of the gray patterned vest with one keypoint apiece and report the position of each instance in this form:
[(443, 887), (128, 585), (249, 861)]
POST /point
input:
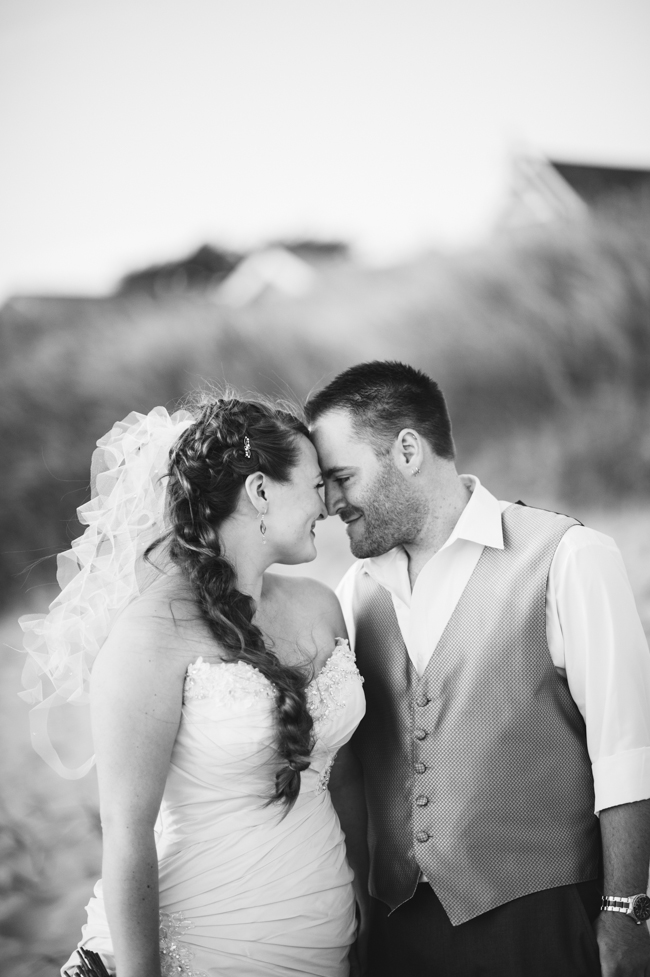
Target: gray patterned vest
[(477, 773)]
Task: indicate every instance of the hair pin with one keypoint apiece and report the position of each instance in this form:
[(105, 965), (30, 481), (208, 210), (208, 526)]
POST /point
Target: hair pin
[(247, 446)]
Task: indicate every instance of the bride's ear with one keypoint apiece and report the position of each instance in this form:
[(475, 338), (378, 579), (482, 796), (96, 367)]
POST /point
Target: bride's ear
[(255, 486)]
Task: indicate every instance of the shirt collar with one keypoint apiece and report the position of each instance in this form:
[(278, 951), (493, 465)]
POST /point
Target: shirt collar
[(479, 522)]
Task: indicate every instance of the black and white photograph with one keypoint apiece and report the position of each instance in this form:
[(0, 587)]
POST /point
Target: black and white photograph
[(325, 488)]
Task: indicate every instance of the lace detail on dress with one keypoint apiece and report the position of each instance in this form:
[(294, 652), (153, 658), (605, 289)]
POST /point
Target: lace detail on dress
[(176, 957), (325, 695), (324, 778), (228, 682)]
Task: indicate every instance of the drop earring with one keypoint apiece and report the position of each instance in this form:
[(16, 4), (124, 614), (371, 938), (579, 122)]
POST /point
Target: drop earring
[(416, 471), (263, 528)]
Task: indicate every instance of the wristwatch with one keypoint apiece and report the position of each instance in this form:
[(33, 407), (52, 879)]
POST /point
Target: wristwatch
[(638, 907)]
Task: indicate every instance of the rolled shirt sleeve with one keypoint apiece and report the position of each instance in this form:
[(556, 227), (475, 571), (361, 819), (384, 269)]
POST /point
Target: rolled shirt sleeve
[(596, 637)]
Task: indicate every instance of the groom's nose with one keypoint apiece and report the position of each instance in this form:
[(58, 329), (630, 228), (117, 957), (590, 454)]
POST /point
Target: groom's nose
[(333, 498)]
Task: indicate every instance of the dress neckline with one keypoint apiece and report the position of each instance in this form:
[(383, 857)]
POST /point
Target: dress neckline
[(342, 644)]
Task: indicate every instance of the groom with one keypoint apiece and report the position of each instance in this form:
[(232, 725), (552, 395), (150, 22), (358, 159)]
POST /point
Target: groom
[(507, 680)]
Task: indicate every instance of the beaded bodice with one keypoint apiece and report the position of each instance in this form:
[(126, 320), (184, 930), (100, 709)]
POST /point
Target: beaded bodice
[(225, 755), (240, 684)]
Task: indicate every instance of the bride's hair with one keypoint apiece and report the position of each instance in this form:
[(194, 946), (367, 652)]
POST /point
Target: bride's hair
[(230, 440)]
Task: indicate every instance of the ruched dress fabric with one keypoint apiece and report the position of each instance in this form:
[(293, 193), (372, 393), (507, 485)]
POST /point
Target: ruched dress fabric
[(246, 890)]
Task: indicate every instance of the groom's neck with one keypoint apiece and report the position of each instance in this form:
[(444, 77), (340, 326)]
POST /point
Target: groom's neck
[(449, 496)]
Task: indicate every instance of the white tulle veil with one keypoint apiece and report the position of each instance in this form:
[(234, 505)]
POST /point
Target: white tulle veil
[(103, 571)]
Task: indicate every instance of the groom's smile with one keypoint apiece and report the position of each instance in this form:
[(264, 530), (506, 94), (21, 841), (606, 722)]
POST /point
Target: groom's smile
[(349, 515), (362, 488), (353, 526)]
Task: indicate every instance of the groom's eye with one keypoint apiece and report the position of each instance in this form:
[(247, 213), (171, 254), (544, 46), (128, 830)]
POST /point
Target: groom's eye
[(343, 478)]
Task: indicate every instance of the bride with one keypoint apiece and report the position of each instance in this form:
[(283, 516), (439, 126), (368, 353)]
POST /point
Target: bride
[(220, 694)]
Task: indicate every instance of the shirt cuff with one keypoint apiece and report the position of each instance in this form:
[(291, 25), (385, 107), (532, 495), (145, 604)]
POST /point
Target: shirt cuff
[(622, 778)]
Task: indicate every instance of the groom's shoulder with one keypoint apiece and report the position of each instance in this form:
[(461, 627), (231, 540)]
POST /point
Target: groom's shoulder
[(346, 585)]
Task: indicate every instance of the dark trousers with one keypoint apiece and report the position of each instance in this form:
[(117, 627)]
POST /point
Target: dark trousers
[(546, 934)]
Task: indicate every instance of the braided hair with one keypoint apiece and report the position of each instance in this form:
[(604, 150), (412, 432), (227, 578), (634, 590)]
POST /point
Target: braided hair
[(209, 465)]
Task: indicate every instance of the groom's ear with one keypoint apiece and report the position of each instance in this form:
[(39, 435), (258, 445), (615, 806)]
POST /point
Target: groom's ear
[(407, 451)]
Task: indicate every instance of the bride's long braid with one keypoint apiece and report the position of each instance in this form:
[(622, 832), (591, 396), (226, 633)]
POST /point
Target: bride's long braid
[(208, 467)]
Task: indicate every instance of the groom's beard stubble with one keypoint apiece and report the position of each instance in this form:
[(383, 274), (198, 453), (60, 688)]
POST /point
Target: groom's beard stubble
[(389, 517)]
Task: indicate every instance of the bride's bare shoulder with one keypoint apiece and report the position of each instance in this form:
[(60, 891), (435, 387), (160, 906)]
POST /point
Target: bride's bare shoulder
[(163, 623), (294, 586), (168, 601), (310, 599)]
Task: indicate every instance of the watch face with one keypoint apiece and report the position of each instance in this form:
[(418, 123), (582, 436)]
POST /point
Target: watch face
[(641, 907)]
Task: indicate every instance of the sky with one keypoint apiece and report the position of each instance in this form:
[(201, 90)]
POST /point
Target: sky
[(134, 130)]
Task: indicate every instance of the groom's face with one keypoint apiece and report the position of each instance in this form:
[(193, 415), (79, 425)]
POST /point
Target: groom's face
[(365, 490)]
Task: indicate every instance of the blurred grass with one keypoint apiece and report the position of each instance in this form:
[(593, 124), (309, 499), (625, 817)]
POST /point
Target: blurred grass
[(541, 342), (50, 840)]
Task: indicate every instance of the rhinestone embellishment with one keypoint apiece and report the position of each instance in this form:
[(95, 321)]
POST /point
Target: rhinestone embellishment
[(324, 778), (176, 956), (228, 682), (326, 694)]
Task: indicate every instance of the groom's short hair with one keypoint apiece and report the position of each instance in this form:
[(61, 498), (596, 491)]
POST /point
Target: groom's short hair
[(383, 398)]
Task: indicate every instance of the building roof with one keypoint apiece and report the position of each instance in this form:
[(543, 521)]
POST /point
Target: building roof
[(595, 183), (544, 190)]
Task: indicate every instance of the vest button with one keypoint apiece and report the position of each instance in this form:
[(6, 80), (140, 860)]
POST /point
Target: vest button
[(420, 734), (422, 700), (422, 800), (420, 767), (422, 836)]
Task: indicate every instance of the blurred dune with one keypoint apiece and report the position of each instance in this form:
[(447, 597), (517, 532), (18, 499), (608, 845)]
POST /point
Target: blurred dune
[(541, 341)]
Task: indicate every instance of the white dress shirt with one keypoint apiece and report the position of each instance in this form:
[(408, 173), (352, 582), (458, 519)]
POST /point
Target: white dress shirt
[(594, 634)]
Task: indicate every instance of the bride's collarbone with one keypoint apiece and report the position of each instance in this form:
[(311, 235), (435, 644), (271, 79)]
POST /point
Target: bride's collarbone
[(291, 621), (285, 616), (295, 645), (288, 645)]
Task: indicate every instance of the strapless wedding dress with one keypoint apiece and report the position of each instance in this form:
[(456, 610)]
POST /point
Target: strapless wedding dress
[(244, 890)]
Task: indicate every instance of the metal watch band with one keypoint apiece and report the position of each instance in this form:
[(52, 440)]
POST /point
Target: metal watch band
[(637, 907), (609, 902)]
